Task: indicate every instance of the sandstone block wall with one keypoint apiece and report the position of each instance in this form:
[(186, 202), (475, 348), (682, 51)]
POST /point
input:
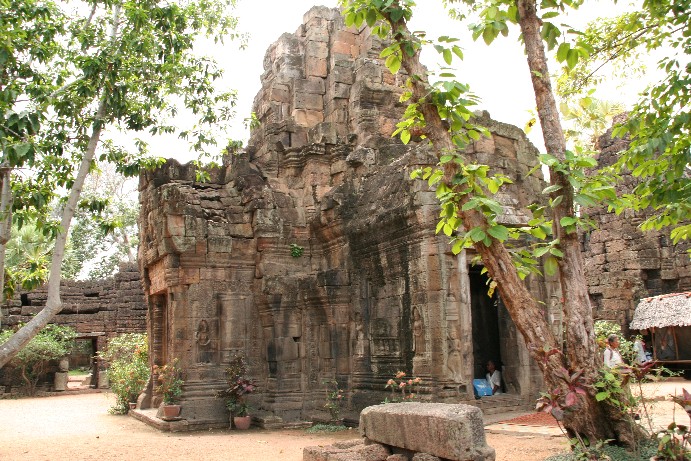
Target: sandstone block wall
[(105, 307), (624, 264)]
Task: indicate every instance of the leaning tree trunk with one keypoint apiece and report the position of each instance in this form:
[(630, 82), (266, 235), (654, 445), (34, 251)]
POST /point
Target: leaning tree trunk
[(593, 420), (54, 304), (5, 224)]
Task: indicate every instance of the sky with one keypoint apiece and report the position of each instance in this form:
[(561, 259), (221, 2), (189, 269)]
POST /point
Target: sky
[(498, 74)]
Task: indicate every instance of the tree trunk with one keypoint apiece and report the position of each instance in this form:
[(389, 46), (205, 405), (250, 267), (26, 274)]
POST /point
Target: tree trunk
[(593, 420), (5, 224), (54, 303)]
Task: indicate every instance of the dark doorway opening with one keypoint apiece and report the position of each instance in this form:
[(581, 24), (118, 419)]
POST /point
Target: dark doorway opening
[(485, 315)]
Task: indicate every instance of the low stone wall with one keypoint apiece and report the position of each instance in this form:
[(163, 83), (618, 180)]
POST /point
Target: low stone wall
[(413, 431), (98, 310)]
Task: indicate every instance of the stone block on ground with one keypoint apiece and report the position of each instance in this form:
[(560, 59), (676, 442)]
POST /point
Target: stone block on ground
[(356, 451), (453, 432)]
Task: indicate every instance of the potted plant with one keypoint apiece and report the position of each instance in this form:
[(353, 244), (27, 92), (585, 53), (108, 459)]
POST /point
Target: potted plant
[(170, 388), (235, 395)]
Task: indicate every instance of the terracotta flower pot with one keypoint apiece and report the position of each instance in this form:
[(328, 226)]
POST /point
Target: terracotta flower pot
[(242, 422), (171, 411)]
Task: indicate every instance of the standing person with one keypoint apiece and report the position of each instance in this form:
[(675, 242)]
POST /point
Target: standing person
[(493, 377), (612, 356), (639, 349)]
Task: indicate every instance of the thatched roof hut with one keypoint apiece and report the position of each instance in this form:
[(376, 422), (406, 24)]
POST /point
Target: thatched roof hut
[(673, 309)]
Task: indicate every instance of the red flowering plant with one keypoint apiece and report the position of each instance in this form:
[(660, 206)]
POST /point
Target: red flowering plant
[(334, 399), (239, 385), (407, 387), (170, 382)]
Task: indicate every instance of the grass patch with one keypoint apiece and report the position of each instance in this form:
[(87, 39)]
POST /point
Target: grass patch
[(647, 450), (317, 428), (78, 372)]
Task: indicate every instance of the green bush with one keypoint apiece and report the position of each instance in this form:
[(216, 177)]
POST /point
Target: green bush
[(128, 370), (52, 343)]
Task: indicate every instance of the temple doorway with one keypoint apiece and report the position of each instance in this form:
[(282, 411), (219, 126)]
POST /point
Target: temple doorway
[(485, 315)]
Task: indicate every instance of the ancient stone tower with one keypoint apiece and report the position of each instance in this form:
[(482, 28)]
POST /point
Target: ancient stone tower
[(314, 254)]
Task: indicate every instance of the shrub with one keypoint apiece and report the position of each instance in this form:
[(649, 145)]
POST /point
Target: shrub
[(128, 370), (169, 382), (51, 343), (238, 386)]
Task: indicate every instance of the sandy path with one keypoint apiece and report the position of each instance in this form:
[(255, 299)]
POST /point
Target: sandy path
[(77, 427)]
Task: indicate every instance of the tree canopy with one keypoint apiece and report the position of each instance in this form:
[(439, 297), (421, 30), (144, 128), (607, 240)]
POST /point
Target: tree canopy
[(71, 71)]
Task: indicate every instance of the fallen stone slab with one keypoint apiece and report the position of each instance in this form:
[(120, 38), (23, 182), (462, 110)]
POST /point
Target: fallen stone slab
[(352, 451), (451, 432)]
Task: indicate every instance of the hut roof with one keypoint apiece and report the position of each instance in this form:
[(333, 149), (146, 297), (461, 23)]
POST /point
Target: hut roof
[(673, 309)]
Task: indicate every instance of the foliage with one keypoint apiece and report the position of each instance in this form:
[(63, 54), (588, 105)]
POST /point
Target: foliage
[(659, 125), (128, 370), (674, 443), (104, 233), (613, 453), (238, 386), (319, 428), (74, 74), (169, 379), (52, 343), (405, 386), (296, 250), (334, 398)]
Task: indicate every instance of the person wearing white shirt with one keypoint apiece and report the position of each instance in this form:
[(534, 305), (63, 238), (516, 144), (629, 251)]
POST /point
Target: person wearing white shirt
[(612, 356), (493, 378)]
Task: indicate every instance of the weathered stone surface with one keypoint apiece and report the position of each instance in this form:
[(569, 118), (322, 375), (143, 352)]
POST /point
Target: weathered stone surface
[(372, 289), (453, 432), (357, 451), (624, 264)]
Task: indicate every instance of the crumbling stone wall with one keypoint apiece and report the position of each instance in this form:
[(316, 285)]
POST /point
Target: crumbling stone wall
[(107, 307), (374, 290), (624, 264), (97, 310)]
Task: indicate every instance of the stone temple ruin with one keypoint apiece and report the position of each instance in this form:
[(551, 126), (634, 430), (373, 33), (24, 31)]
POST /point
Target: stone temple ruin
[(314, 254)]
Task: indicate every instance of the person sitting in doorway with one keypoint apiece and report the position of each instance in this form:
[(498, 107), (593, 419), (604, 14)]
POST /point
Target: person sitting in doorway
[(493, 377)]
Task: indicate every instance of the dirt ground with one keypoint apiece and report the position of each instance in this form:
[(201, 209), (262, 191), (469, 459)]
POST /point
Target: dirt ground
[(78, 427)]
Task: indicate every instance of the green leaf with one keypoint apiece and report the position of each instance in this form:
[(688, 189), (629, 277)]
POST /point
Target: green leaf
[(568, 221), (556, 252), (550, 189), (22, 149), (562, 52), (600, 396), (476, 234), (405, 136), (371, 17), (499, 232), (448, 57), (393, 63), (572, 58), (488, 35), (551, 265), (541, 251)]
